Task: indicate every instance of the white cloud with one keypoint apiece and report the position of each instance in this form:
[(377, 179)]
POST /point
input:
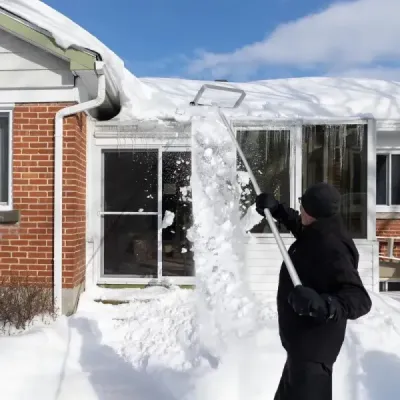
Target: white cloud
[(346, 36)]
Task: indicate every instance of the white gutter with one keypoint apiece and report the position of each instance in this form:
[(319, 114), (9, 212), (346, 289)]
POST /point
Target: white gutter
[(58, 179)]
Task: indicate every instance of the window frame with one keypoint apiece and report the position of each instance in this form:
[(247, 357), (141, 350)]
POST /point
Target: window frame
[(388, 208), (8, 112), (296, 159), (161, 147)]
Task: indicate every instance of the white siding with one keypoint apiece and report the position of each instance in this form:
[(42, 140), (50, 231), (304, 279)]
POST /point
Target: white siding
[(387, 139), (263, 261), (24, 66)]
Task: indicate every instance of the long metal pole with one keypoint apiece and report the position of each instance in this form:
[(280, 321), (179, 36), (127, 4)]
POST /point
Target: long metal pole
[(288, 262)]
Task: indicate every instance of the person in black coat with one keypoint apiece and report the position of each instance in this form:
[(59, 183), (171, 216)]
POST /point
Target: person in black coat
[(313, 316)]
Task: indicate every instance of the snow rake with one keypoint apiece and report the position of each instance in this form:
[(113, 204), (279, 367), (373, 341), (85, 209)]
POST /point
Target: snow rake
[(288, 262)]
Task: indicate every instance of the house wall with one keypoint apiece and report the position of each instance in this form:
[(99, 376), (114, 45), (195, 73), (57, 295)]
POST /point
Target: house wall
[(23, 65), (26, 249), (263, 258), (29, 74)]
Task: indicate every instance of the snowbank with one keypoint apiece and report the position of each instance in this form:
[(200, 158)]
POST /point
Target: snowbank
[(164, 97), (142, 350)]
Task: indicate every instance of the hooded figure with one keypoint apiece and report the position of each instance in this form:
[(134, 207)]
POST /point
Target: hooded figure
[(313, 317)]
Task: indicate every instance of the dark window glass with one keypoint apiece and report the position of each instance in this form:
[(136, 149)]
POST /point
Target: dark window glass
[(130, 245), (338, 154), (177, 257), (381, 179), (268, 154), (130, 181), (4, 159), (395, 184)]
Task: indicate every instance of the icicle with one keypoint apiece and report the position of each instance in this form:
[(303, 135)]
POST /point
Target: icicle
[(360, 136), (342, 147)]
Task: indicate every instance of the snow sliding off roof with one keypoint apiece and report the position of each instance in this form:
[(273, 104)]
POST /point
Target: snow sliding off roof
[(163, 97)]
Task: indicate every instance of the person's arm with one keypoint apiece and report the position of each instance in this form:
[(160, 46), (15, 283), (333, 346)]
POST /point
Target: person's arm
[(283, 214), (289, 217), (348, 297)]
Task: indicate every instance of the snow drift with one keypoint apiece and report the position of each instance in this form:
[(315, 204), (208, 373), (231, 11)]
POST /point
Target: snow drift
[(141, 350)]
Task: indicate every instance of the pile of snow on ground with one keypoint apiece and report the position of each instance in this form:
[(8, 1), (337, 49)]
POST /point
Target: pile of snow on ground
[(140, 350)]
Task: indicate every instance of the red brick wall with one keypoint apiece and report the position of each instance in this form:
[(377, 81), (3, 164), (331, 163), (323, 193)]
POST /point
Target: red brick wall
[(26, 249), (388, 227), (74, 212)]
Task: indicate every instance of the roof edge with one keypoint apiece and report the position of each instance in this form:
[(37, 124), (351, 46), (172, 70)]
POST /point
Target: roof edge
[(79, 59)]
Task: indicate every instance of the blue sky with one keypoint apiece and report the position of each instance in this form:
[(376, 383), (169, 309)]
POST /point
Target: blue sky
[(235, 39)]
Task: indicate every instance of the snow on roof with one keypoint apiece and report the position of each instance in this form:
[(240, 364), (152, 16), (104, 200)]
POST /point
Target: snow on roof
[(299, 97), (163, 97)]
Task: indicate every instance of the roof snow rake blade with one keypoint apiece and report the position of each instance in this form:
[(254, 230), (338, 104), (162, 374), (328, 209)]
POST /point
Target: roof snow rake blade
[(200, 93)]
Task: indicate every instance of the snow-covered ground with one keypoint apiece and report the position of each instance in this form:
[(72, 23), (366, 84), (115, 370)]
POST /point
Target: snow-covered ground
[(142, 351)]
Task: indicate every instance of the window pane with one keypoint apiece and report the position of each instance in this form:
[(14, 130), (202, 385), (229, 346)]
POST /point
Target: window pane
[(4, 158), (130, 245), (338, 154), (381, 178), (395, 179), (177, 257), (268, 154), (130, 180)]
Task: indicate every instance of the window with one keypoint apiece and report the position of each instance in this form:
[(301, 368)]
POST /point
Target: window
[(145, 192), (5, 160), (338, 154), (388, 179), (268, 154)]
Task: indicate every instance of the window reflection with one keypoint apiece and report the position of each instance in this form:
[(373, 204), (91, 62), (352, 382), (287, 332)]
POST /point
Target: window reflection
[(268, 154), (177, 257), (130, 245), (338, 154)]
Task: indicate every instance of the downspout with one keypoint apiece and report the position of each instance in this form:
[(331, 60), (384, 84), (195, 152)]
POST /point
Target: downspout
[(58, 179)]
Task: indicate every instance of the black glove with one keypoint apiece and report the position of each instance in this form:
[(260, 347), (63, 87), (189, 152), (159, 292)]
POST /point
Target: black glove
[(307, 302), (266, 200)]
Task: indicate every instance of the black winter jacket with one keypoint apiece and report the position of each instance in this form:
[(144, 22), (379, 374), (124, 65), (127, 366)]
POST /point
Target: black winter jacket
[(326, 260)]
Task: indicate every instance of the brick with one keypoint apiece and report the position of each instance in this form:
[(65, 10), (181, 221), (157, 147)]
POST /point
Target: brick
[(27, 250)]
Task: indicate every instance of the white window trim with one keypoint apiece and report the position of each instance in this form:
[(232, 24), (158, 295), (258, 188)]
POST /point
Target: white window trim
[(112, 144), (8, 109), (388, 151)]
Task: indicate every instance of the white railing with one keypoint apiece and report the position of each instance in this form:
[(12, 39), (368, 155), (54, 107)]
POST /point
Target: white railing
[(390, 240)]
